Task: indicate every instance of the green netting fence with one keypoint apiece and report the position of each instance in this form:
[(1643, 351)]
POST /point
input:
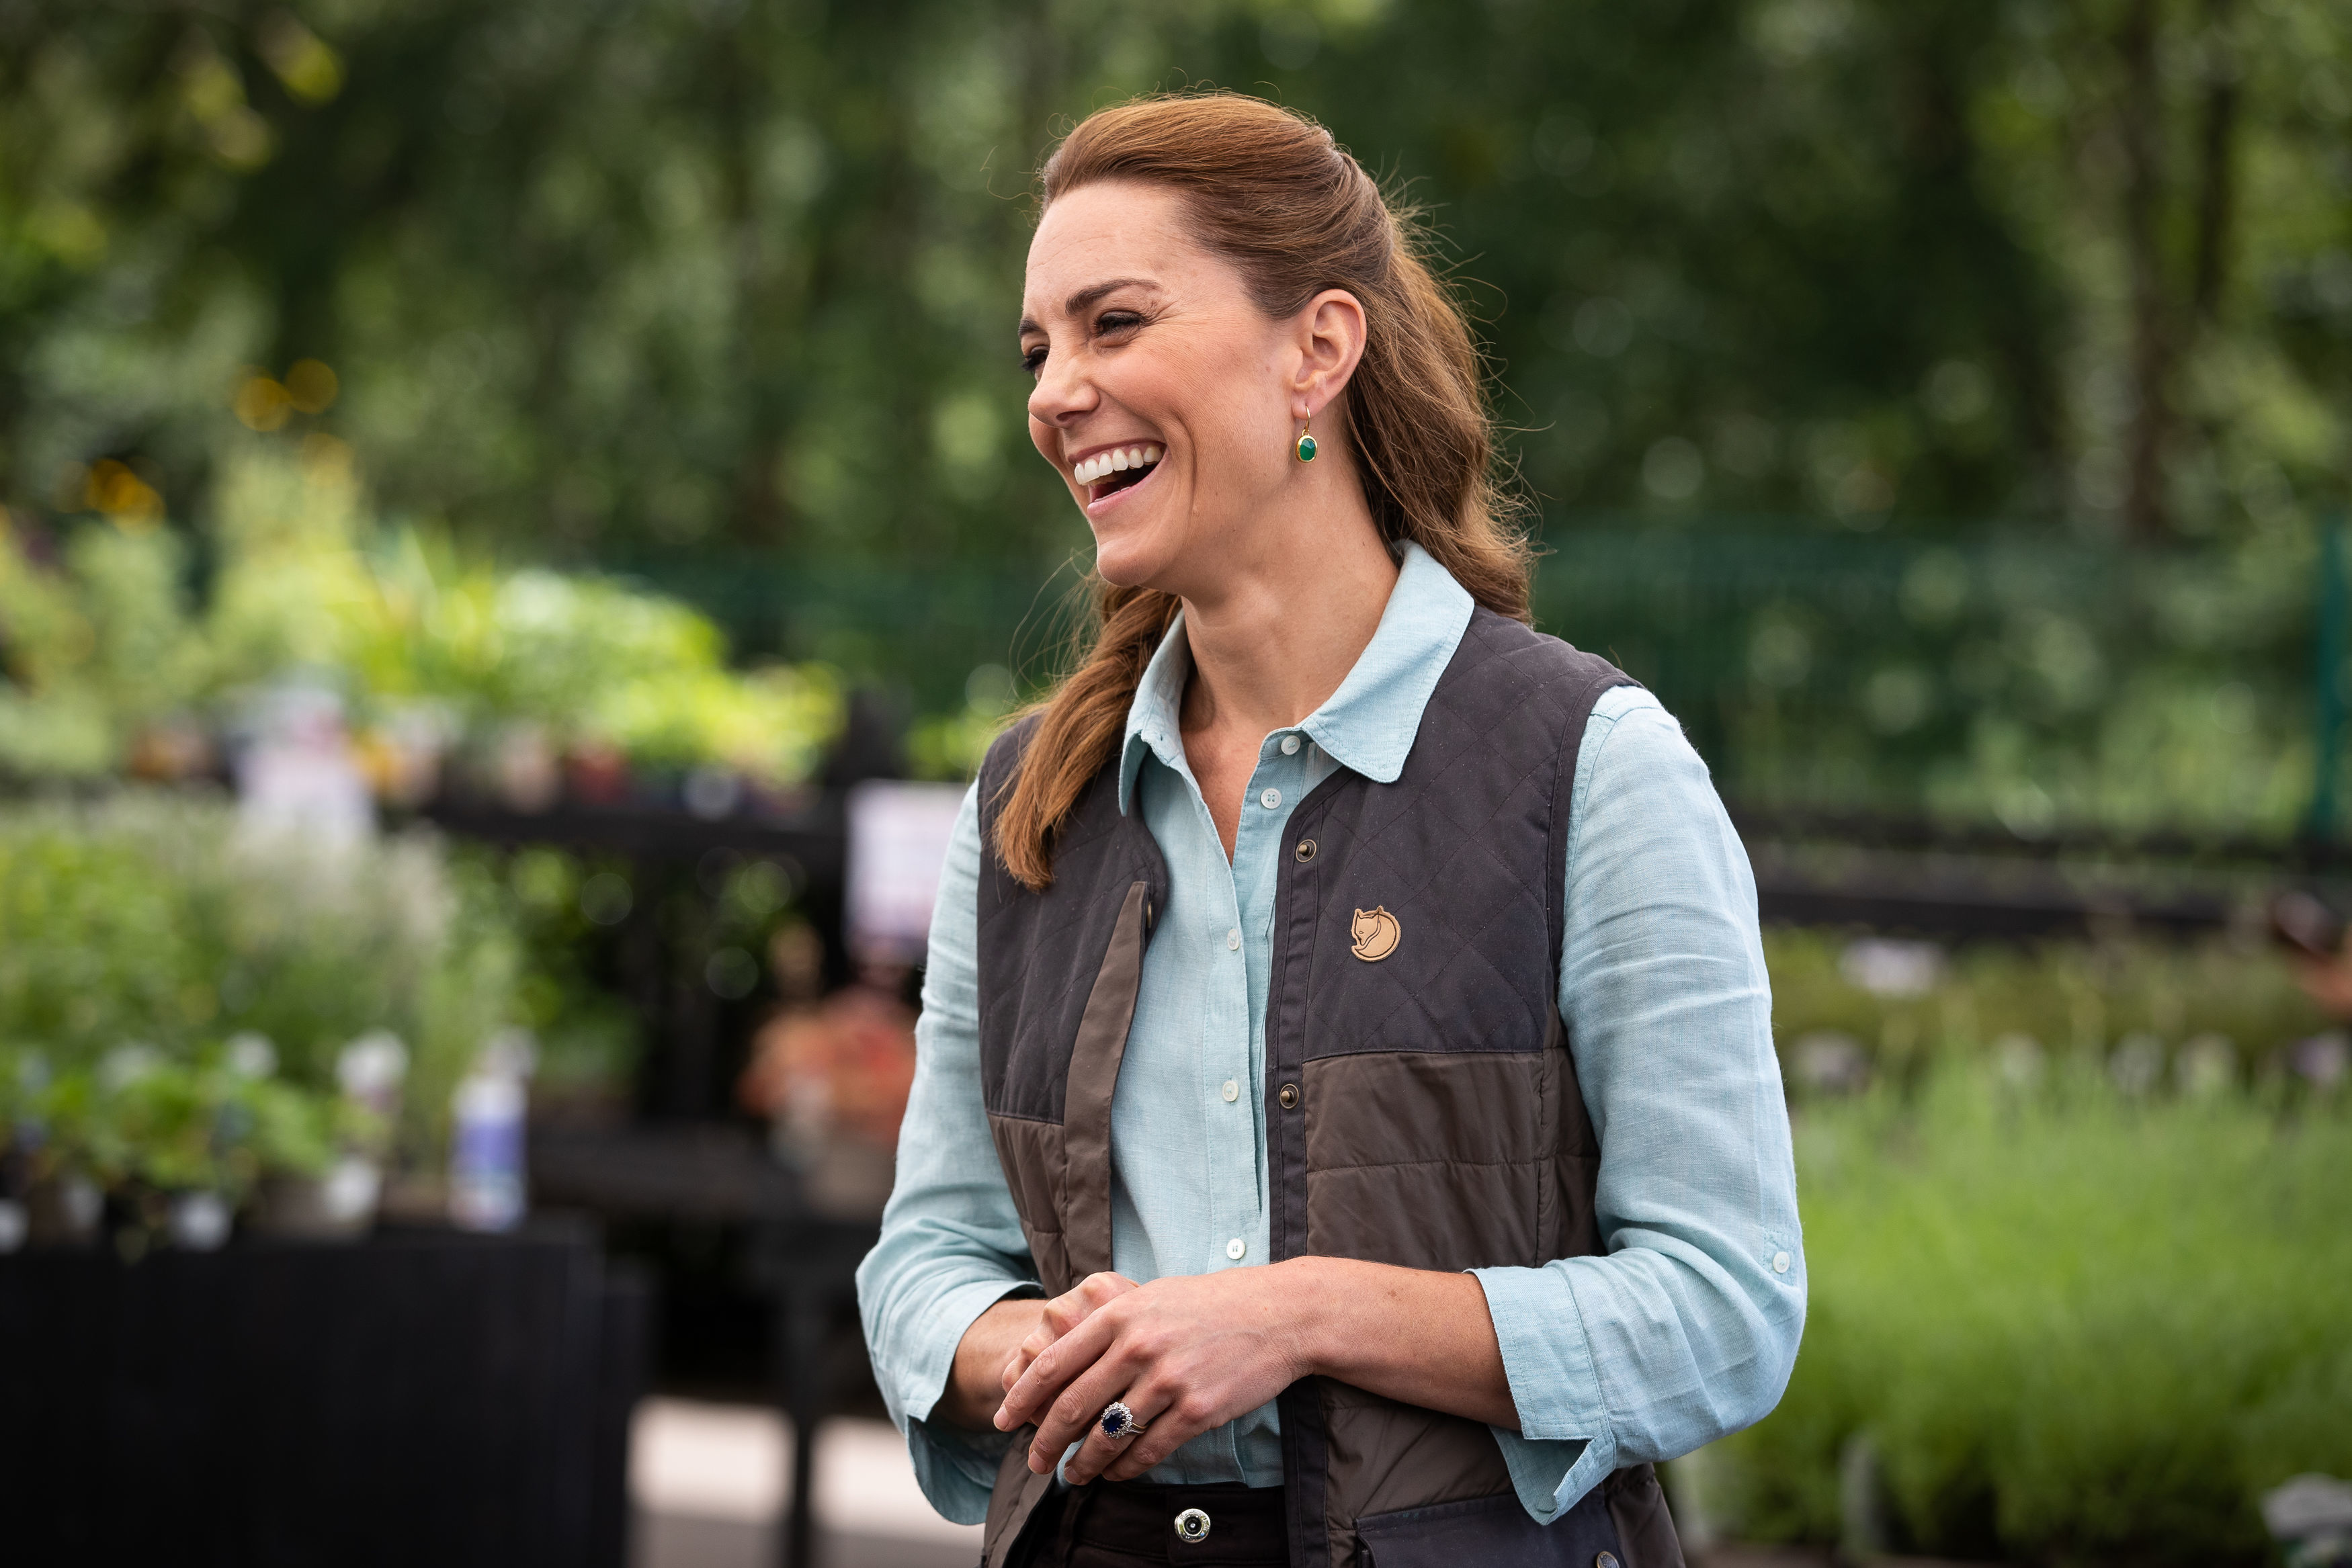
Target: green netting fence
[(2042, 684)]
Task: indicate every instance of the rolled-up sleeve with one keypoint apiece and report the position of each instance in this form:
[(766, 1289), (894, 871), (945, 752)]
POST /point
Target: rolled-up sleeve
[(1686, 1326), (951, 1245)]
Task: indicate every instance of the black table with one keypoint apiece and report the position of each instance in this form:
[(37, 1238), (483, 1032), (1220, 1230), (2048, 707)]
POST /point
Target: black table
[(803, 1261), (422, 1396)]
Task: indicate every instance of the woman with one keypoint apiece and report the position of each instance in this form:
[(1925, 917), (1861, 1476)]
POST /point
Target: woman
[(1346, 1129)]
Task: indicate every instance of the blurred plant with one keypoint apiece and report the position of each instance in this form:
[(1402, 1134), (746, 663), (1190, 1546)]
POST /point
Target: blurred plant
[(432, 647), (205, 1124), (563, 910), (950, 746), (94, 650), (2146, 1012), (2066, 1322), (246, 962)]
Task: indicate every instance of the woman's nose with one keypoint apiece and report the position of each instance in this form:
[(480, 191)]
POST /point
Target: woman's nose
[(1061, 393)]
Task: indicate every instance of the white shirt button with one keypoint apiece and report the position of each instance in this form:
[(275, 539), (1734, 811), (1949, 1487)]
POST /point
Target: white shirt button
[(1236, 1247), (1232, 1091), (1270, 799), (1780, 1262), (1233, 940), (1290, 746)]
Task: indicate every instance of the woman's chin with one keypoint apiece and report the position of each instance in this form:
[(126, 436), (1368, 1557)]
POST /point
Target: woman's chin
[(1129, 556)]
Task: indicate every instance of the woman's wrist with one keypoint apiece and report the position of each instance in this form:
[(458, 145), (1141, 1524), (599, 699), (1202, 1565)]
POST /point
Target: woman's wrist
[(1422, 1336), (1309, 1295), (976, 1377)]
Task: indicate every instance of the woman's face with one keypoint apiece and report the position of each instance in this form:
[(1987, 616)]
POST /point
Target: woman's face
[(1165, 396)]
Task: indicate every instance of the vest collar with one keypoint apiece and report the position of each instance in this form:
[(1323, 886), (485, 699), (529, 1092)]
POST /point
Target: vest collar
[(1368, 724)]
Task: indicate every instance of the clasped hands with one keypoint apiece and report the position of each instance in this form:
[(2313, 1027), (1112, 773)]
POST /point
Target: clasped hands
[(1186, 1355), (1192, 1352)]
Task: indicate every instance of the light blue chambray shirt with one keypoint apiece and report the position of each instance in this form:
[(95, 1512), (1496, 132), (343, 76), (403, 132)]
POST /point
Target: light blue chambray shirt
[(1684, 1330)]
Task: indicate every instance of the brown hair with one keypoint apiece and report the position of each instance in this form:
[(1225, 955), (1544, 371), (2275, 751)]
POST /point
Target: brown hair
[(1274, 195)]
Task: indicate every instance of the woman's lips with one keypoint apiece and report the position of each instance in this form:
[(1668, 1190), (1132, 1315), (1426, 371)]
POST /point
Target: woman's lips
[(1106, 493)]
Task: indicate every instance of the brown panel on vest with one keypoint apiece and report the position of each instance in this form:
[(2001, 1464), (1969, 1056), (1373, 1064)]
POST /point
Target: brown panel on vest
[(1094, 1075), (1405, 1107), (1637, 1505), (1014, 1499), (1031, 1153), (1446, 1217), (1566, 1223), (1386, 1456)]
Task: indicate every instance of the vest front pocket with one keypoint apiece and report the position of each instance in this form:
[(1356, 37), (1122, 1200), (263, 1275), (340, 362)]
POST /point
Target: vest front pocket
[(1490, 1532)]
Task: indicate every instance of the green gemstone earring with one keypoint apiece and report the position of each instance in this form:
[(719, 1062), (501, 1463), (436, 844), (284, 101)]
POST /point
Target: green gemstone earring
[(1306, 441)]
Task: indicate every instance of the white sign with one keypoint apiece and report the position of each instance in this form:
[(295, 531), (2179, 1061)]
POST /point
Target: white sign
[(899, 836)]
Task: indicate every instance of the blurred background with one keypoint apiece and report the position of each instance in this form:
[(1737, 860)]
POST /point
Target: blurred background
[(516, 519)]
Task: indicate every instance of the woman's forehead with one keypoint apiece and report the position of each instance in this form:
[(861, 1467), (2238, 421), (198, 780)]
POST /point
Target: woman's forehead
[(1122, 231)]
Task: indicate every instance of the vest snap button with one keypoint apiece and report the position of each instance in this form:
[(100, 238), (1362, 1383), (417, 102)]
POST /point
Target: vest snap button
[(1289, 1096), (1606, 1560), (1305, 851)]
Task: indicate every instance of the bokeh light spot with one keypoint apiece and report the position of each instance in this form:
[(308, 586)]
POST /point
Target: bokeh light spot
[(262, 402), (311, 386)]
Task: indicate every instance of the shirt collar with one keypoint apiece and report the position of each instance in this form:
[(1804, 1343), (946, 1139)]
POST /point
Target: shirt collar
[(1368, 724)]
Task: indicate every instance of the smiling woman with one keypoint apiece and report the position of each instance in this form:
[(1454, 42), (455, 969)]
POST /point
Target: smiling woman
[(1345, 1006)]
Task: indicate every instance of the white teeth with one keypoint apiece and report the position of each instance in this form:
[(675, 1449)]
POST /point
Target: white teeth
[(1116, 461)]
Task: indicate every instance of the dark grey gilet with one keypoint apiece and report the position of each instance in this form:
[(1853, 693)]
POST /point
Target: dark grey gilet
[(1421, 1105)]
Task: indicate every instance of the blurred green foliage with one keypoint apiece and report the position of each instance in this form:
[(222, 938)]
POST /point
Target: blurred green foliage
[(2053, 1321), (687, 283), (143, 935), (2075, 1278), (2232, 999), (433, 647), (681, 271), (641, 280)]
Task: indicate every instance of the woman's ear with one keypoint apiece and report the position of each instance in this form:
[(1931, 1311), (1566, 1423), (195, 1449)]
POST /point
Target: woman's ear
[(1330, 339)]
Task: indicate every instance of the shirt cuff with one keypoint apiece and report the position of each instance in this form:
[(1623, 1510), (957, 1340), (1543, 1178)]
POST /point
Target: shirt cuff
[(1565, 1445), (957, 1470)]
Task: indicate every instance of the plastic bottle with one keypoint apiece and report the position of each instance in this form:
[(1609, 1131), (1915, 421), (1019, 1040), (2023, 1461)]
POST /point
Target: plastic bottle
[(486, 1150)]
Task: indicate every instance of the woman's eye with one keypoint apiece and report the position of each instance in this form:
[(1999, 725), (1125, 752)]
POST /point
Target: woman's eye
[(1033, 359), (1118, 321)]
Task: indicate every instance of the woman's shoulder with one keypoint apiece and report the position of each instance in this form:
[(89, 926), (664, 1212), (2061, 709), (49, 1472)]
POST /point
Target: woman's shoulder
[(1629, 738), (1637, 762)]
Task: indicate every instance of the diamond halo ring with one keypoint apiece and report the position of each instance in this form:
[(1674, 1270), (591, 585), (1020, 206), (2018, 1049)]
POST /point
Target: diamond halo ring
[(1118, 1422)]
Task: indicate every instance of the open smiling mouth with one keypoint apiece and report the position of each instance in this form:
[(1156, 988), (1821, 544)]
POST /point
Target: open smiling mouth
[(1106, 473)]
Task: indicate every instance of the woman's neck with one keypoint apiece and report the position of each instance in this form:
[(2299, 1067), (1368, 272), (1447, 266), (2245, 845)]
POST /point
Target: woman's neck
[(1275, 639)]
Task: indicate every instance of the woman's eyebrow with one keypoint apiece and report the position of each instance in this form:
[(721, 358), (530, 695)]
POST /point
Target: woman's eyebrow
[(1088, 296)]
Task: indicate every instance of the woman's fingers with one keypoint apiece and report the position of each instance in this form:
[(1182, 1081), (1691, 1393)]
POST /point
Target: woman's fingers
[(1191, 1351), (1079, 1405), (1099, 1454), (1060, 1316), (1051, 1371)]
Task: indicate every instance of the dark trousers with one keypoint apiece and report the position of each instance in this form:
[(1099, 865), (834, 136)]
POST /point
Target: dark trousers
[(1128, 1524)]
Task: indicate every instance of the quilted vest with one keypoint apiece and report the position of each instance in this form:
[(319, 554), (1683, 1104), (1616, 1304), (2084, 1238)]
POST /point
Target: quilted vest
[(1421, 1105)]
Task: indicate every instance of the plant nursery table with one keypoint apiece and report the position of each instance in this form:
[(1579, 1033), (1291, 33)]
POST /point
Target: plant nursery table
[(421, 1396), (803, 1261)]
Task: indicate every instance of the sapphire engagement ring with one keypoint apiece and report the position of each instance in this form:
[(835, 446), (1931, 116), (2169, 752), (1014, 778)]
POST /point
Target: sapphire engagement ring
[(1119, 1421)]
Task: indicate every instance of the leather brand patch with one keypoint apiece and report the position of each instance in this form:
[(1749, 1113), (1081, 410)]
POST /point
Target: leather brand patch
[(1377, 934)]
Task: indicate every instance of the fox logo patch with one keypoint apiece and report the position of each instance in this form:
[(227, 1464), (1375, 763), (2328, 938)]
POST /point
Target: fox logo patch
[(1377, 934)]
